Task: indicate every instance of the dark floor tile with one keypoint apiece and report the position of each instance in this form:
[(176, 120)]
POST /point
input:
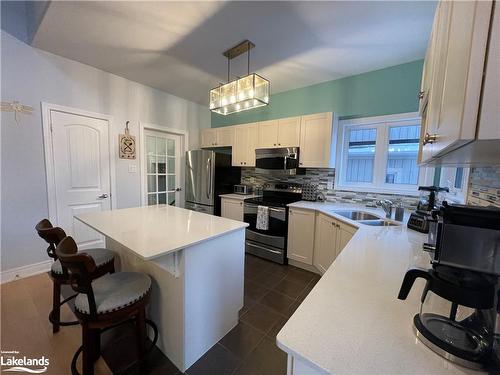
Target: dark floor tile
[(253, 290), (276, 328), (267, 359), (242, 339), (217, 361), (260, 317), (276, 301), (299, 275), (245, 370), (290, 310), (290, 288), (247, 304), (268, 279)]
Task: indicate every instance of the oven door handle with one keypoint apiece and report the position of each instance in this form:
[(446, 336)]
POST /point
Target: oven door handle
[(270, 208), (263, 248)]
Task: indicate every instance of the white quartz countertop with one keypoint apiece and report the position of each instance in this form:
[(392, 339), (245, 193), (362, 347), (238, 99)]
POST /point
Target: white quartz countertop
[(153, 231), (240, 197), (352, 321)]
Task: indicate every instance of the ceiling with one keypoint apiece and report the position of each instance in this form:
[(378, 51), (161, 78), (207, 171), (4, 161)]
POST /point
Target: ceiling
[(177, 46)]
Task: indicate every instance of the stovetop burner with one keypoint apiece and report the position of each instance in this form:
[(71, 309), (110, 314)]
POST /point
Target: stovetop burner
[(278, 195)]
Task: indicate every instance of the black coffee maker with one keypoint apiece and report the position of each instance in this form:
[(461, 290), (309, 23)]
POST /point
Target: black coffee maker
[(460, 307), (419, 219)]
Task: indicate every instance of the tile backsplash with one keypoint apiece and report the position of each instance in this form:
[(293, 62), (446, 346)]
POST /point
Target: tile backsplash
[(325, 179), (484, 186)]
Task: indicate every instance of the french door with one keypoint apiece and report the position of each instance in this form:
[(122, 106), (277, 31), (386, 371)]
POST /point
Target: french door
[(163, 168)]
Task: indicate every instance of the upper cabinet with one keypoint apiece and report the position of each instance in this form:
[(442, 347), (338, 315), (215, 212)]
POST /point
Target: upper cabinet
[(217, 137), (318, 137), (454, 93), (246, 138), (315, 135), (279, 133)]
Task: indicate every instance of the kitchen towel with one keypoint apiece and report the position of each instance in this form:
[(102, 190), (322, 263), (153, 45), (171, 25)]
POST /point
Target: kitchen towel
[(262, 218)]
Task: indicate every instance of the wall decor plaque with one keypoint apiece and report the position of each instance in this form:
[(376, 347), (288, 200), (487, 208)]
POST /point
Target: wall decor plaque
[(127, 144)]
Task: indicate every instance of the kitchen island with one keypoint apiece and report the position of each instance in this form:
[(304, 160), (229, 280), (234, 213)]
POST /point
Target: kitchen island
[(196, 262), (352, 322)]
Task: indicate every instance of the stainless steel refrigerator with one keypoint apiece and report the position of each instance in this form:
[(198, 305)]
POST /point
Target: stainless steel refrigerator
[(208, 175)]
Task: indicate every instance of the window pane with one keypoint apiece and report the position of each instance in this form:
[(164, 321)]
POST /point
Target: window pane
[(162, 198), (162, 183), (171, 165), (171, 182), (162, 168), (161, 146), (170, 147), (361, 155), (150, 145), (402, 155), (151, 183), (151, 164), (459, 176), (151, 199)]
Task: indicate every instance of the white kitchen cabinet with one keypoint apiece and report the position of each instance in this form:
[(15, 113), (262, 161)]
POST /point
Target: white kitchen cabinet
[(296, 366), (301, 225), (325, 242), (453, 82), (268, 134), (283, 132), (318, 140), (246, 139), (331, 237), (232, 208), (217, 137)]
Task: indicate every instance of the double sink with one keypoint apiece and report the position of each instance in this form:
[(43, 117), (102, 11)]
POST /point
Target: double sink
[(365, 218)]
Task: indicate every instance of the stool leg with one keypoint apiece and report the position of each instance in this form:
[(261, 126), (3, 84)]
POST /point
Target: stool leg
[(88, 354), (56, 308), (141, 332)]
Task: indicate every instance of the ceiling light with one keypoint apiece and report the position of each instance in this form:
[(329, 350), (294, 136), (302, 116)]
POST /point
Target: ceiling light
[(250, 91)]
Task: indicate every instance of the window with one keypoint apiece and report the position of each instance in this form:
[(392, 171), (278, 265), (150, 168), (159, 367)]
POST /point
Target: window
[(454, 179), (379, 154)]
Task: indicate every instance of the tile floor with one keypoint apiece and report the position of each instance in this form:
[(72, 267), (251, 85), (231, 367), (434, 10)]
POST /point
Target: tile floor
[(272, 293)]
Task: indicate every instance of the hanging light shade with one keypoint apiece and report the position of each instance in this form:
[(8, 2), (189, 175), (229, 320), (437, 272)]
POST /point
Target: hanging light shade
[(250, 91)]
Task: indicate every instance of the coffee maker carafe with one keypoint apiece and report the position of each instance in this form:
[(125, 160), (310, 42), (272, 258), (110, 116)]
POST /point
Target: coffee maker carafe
[(460, 307)]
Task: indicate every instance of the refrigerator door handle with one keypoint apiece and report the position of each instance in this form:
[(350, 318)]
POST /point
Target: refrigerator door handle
[(209, 176)]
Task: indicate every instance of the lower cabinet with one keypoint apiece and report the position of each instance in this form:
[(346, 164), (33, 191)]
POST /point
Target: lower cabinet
[(232, 208), (296, 366), (301, 235), (315, 238)]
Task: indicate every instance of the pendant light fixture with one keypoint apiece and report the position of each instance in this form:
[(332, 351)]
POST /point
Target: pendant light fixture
[(241, 94)]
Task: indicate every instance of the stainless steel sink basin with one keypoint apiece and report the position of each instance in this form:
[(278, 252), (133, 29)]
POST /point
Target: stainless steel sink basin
[(357, 215), (378, 223)]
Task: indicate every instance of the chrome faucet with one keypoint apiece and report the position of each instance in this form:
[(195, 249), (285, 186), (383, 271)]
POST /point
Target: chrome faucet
[(387, 206)]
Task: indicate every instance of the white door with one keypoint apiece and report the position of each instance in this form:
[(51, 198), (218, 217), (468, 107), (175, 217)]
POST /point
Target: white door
[(163, 168), (81, 172)]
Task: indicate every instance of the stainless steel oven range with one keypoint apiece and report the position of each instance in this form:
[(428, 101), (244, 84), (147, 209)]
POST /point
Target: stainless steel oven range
[(270, 243)]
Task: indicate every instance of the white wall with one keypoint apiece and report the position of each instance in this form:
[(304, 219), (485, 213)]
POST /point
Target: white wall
[(31, 76)]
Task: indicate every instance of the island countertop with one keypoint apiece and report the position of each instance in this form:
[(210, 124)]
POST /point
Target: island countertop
[(153, 231), (352, 322)]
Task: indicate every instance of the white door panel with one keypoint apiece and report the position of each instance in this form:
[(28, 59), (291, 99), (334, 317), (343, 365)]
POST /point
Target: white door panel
[(81, 171)]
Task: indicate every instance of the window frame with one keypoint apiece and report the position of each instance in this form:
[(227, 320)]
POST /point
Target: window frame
[(378, 185)]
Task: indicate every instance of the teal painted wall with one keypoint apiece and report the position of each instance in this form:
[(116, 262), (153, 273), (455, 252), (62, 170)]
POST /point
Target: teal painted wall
[(380, 92)]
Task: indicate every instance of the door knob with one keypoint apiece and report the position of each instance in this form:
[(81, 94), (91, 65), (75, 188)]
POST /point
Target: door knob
[(102, 196)]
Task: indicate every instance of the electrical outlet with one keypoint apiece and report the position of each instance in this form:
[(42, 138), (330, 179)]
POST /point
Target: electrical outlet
[(132, 168)]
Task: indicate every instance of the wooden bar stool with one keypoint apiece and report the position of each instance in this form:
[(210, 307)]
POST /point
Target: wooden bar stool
[(103, 258), (104, 303)]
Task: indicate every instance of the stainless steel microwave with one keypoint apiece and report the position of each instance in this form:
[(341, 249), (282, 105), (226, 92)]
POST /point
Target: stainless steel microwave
[(278, 161)]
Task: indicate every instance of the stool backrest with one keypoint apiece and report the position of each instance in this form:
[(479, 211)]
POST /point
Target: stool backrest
[(81, 267), (52, 235)]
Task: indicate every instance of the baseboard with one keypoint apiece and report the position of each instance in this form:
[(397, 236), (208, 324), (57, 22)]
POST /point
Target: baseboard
[(25, 271), (304, 266)]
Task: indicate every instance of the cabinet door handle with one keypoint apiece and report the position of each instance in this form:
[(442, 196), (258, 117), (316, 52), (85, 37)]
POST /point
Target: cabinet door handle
[(429, 139), (420, 94)]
